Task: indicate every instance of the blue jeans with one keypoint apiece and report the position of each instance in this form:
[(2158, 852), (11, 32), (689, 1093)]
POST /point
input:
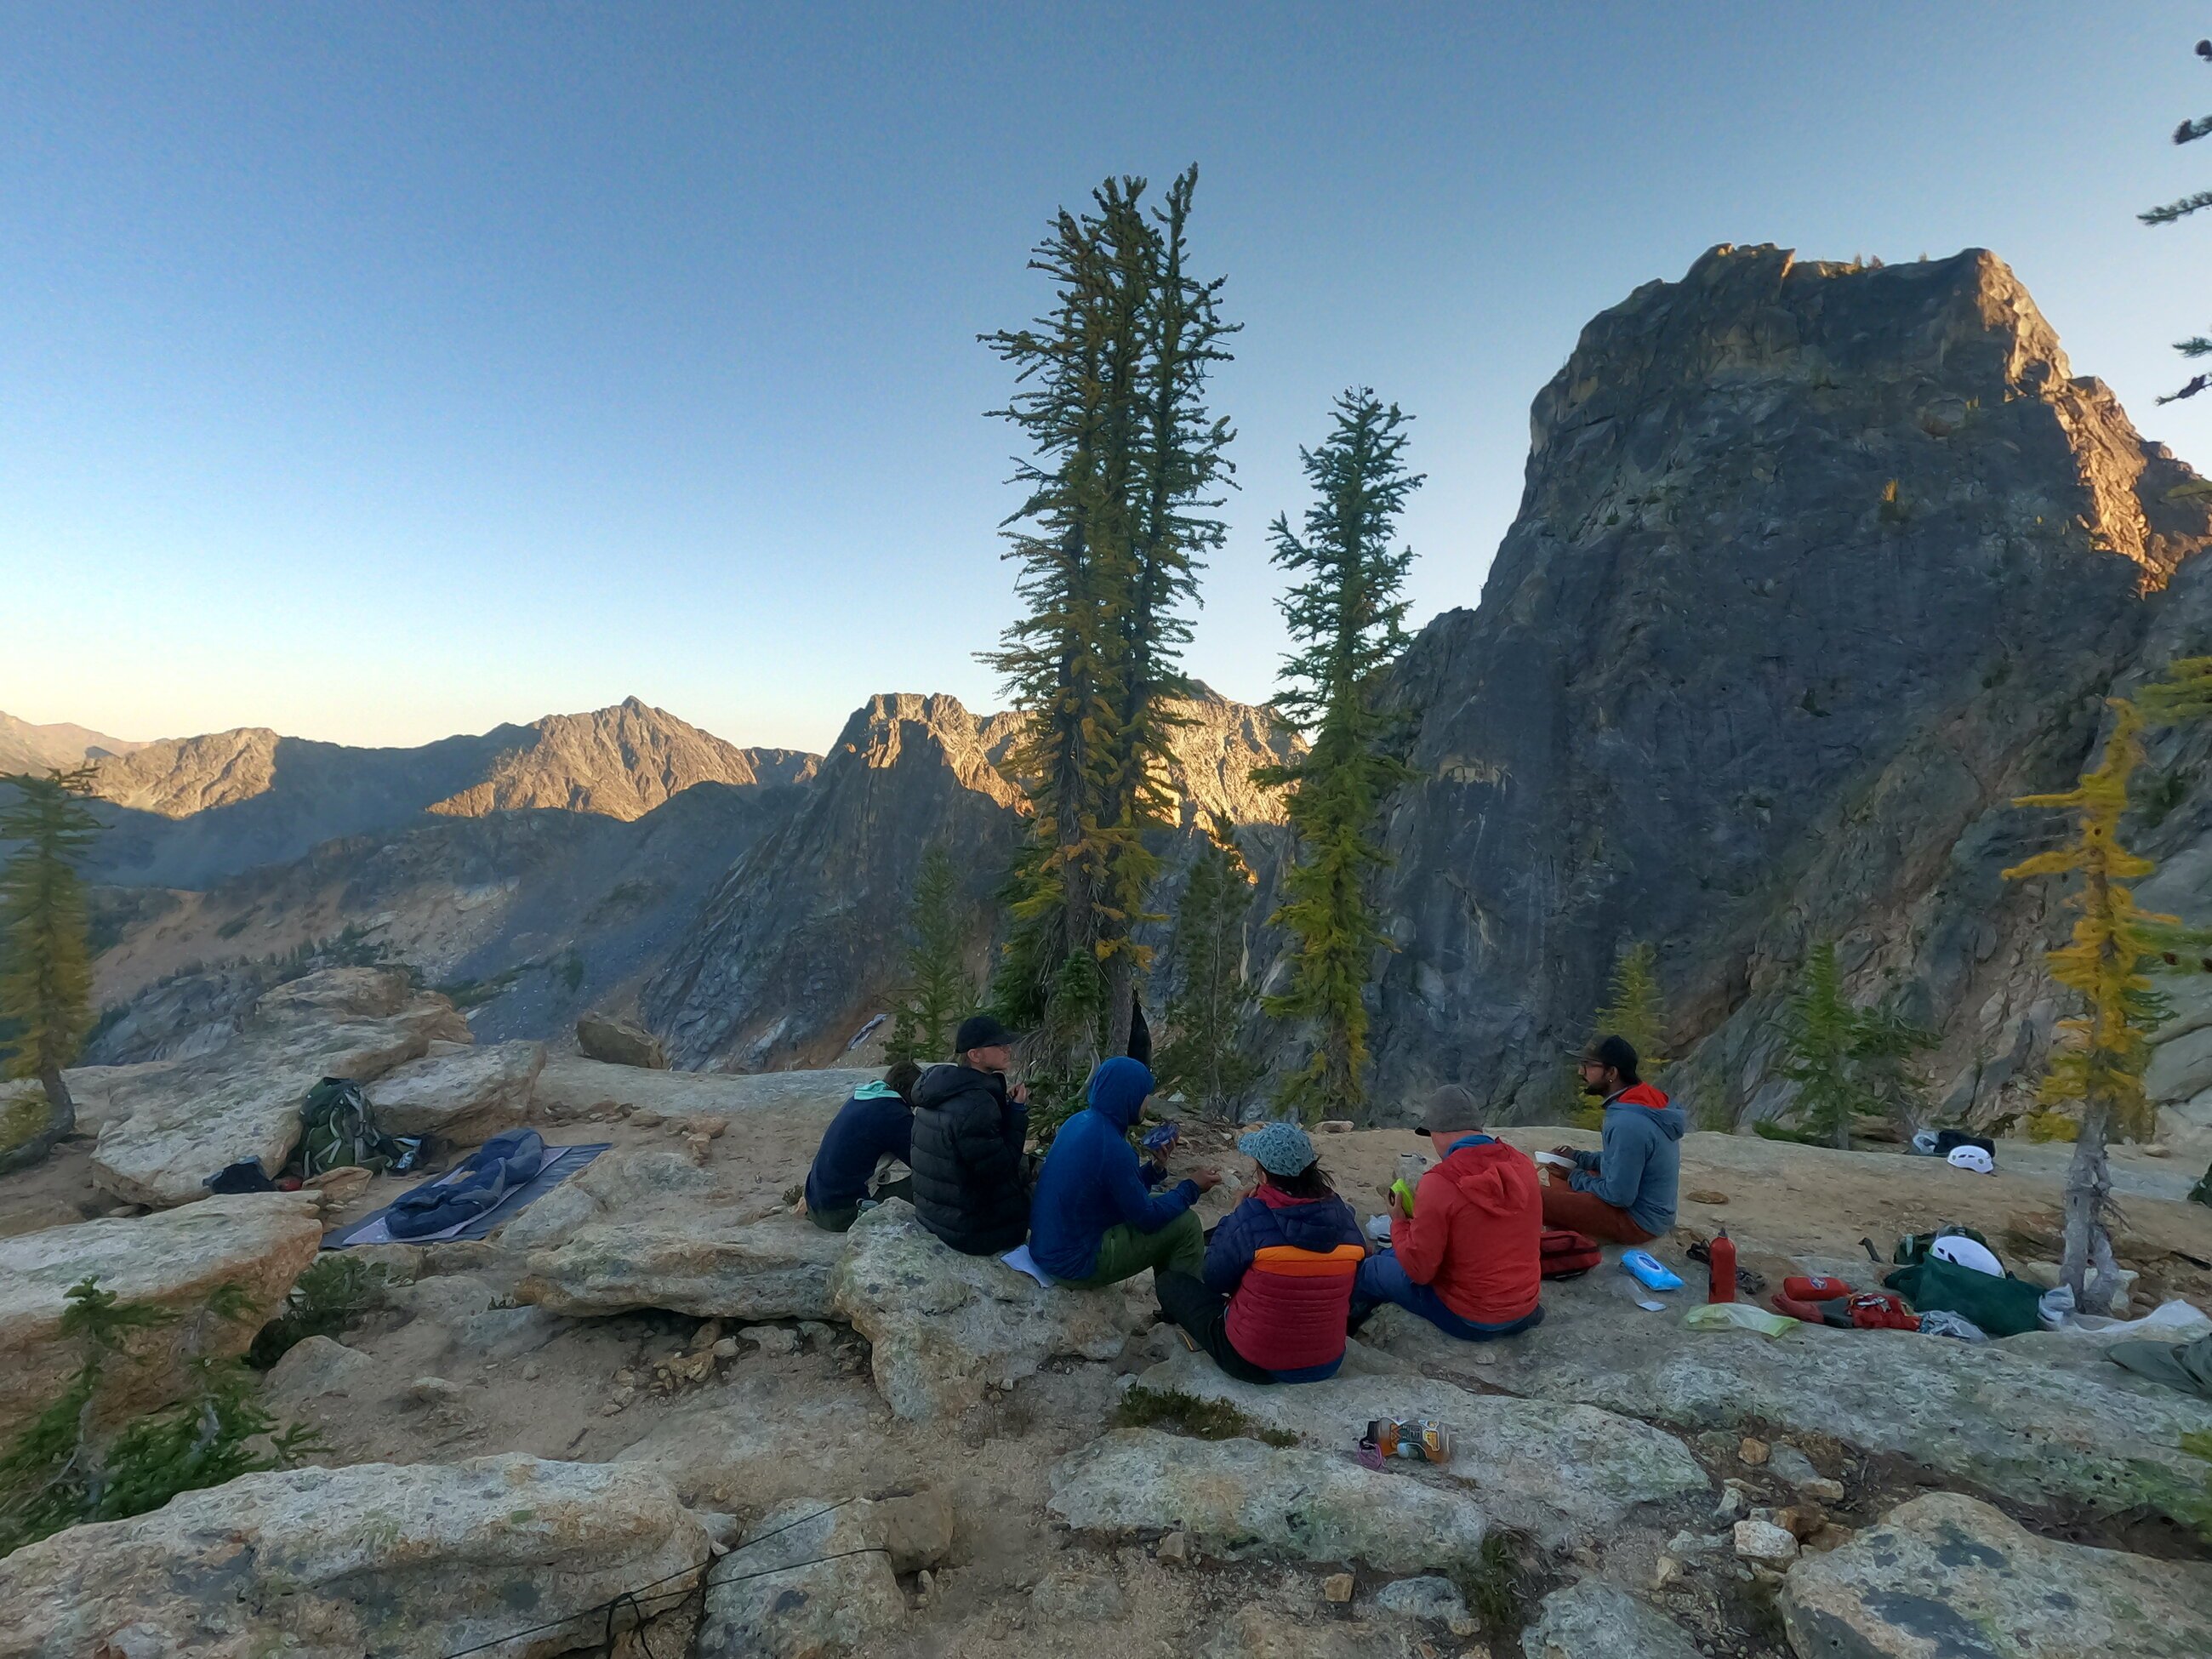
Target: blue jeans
[(1381, 1280)]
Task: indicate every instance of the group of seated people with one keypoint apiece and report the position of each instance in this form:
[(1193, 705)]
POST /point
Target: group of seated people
[(1272, 1291)]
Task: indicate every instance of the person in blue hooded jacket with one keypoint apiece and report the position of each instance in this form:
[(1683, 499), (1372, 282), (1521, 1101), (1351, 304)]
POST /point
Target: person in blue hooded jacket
[(1094, 1218)]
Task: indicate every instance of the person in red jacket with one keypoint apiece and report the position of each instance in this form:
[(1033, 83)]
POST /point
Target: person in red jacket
[(1273, 1305), (1467, 1256)]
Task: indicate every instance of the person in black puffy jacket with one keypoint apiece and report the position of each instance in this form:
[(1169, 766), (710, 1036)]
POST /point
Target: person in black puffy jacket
[(967, 1154)]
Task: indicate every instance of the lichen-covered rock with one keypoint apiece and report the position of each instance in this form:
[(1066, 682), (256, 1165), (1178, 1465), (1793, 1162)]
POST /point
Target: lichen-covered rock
[(1592, 1619), (170, 1128), (1947, 1574), (654, 1227), (315, 1366), (943, 1325), (1239, 1499), (1428, 1597), (377, 1560), (173, 1261), (1551, 1469), (2033, 1420), (617, 1040), (818, 1608), (571, 1085), (640, 1186), (777, 1267), (464, 1095)]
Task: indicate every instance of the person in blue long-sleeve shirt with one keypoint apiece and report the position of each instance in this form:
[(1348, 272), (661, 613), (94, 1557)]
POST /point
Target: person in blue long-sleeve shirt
[(875, 1125), (1094, 1218)]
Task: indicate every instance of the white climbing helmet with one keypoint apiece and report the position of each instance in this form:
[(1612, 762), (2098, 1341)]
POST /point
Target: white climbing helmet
[(1962, 1252), (1974, 1158)]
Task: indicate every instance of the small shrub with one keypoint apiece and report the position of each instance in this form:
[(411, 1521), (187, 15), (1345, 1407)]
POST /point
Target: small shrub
[(2199, 1508), (1495, 1584), (1767, 1131), (2050, 1126), (335, 1294), (1186, 1413), (59, 1472), (22, 1118), (572, 972), (237, 925)]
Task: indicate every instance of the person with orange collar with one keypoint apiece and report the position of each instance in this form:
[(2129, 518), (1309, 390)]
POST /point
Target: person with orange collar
[(1624, 1191), (1467, 1254)]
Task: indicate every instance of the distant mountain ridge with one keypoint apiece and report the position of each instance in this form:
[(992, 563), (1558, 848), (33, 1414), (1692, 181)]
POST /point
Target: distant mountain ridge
[(760, 916), (25, 747), (192, 811)]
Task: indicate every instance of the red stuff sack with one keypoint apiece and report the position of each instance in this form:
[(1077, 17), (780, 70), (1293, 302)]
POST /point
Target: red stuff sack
[(1565, 1254)]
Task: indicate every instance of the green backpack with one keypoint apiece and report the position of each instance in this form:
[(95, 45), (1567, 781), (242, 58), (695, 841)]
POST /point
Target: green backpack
[(337, 1129)]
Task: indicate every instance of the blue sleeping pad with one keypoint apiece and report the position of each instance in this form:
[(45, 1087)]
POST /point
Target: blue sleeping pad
[(488, 1175)]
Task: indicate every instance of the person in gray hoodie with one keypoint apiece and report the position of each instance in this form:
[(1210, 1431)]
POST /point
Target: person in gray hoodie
[(1624, 1191)]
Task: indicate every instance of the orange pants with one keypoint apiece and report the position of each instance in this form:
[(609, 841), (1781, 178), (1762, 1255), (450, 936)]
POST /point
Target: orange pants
[(1586, 1212)]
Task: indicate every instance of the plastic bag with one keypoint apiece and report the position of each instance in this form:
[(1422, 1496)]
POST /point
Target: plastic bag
[(1737, 1316), (2176, 1321), (1941, 1321)]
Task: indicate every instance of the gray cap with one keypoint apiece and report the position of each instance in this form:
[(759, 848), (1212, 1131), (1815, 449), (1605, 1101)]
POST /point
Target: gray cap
[(1451, 1108)]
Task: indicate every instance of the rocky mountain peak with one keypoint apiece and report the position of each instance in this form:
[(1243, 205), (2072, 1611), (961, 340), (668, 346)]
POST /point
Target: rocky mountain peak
[(904, 726), (620, 762), (1817, 567), (1939, 364), (28, 747), (178, 777)]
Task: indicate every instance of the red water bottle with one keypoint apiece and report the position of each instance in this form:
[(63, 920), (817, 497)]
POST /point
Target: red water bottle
[(1720, 1285)]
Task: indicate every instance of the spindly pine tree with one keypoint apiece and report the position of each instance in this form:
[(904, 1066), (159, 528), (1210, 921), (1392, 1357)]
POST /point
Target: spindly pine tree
[(1817, 1027), (1632, 1010), (1124, 465), (2188, 132), (45, 958), (2097, 1073), (938, 990), (1210, 997), (1346, 616)]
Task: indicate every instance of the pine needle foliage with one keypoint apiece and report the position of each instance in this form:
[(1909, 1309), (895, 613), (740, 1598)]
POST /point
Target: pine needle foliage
[(1123, 477), (45, 954), (2196, 345), (1211, 999), (2096, 1073), (1633, 1009), (62, 1469), (1846, 1059), (1345, 611), (938, 990), (1817, 1029)]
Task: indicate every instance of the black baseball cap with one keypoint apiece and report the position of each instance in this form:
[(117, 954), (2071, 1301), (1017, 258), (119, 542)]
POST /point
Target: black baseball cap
[(1616, 1052), (981, 1031)]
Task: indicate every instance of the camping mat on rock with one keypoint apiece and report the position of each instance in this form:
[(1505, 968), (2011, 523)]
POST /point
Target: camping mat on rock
[(561, 1163)]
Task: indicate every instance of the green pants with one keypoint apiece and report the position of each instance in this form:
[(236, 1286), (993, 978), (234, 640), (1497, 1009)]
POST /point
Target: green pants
[(1123, 1252)]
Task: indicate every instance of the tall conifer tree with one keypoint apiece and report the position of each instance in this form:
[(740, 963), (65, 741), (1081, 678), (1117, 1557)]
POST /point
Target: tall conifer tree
[(1211, 996), (1817, 1027), (939, 989), (1123, 478), (2097, 1071), (2196, 345), (1632, 1010), (45, 958), (1346, 615)]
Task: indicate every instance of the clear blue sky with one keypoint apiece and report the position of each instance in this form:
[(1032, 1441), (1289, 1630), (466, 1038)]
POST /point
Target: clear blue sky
[(377, 371)]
